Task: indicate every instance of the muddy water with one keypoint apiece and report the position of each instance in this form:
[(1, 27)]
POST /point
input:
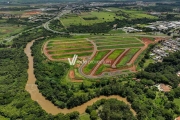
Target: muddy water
[(31, 87)]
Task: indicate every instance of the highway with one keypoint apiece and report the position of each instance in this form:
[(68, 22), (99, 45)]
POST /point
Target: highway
[(46, 25)]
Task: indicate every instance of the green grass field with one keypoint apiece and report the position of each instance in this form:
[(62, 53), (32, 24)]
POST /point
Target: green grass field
[(137, 14), (115, 54), (116, 31), (109, 42), (100, 69), (71, 50), (55, 47), (127, 57), (114, 38), (102, 16), (84, 117), (64, 56), (94, 61), (62, 48), (120, 46), (116, 42), (177, 102), (8, 30)]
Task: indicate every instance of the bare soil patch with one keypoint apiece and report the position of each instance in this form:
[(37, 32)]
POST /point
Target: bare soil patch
[(71, 74)]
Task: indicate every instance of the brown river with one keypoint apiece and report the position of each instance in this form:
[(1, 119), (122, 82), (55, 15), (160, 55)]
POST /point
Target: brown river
[(46, 105)]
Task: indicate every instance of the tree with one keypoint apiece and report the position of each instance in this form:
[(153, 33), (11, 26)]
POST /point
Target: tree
[(170, 95), (93, 115), (151, 94)]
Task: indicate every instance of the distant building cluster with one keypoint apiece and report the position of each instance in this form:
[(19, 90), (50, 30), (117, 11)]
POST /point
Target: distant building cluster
[(129, 29), (164, 25), (96, 4), (159, 52)]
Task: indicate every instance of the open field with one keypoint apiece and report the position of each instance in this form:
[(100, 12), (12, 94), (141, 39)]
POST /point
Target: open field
[(88, 18), (116, 53), (137, 14), (8, 30), (128, 57), (63, 49), (114, 42), (99, 55), (119, 46), (92, 17)]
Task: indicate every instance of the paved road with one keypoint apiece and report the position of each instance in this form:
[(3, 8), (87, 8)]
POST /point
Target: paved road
[(46, 25)]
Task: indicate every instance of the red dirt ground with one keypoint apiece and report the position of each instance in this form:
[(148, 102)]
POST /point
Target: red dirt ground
[(108, 61), (71, 74), (157, 39), (146, 42), (32, 12)]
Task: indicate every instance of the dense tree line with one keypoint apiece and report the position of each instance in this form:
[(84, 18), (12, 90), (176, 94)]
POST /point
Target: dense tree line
[(105, 27), (15, 102), (159, 8), (146, 55), (57, 26), (164, 72), (112, 109)]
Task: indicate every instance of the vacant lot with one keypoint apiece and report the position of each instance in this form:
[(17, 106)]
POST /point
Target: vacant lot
[(115, 54), (88, 68), (88, 18), (92, 17), (115, 42), (8, 30), (63, 49), (128, 57), (123, 49)]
